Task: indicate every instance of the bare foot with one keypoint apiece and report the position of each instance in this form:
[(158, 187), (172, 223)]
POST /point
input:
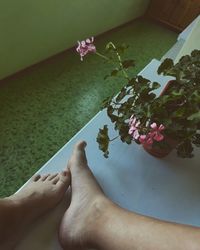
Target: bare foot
[(81, 219), (37, 197)]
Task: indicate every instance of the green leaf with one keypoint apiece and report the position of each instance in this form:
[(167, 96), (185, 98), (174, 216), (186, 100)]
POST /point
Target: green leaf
[(195, 116), (122, 48), (132, 82), (185, 149), (155, 85), (106, 102), (196, 96), (103, 140), (131, 100), (142, 80), (196, 140), (121, 95), (165, 65), (110, 111), (113, 73), (195, 53), (123, 132), (152, 96), (128, 139), (179, 112), (114, 118), (128, 63), (179, 92)]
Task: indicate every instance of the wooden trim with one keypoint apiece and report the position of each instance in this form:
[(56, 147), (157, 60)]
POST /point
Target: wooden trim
[(175, 13)]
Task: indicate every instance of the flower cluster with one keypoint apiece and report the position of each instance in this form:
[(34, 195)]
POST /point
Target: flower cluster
[(153, 132), (145, 126), (85, 47)]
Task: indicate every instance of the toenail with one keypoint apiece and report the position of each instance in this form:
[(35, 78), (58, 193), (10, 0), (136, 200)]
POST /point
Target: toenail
[(36, 177), (64, 173)]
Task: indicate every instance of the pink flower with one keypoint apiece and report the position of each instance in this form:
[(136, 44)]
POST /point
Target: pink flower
[(149, 133), (136, 134), (133, 122), (134, 125), (85, 47), (143, 138), (156, 132), (146, 140)]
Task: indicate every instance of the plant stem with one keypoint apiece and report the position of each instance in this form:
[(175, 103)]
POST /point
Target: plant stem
[(114, 138), (118, 57), (120, 61), (101, 55)]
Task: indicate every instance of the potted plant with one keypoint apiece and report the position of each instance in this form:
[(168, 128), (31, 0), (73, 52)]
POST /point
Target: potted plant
[(160, 123)]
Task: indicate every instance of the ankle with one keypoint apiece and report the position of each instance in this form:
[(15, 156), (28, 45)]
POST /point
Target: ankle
[(101, 209)]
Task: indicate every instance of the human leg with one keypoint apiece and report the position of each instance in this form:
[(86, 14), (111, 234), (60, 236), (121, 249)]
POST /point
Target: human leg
[(93, 221), (18, 211)]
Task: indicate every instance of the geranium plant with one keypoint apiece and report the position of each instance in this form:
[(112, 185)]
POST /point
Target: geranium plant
[(170, 120)]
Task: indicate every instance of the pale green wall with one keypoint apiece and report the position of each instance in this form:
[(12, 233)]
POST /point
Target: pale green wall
[(33, 30)]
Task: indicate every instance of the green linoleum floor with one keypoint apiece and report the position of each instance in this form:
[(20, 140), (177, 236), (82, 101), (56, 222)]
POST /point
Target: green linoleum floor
[(41, 109)]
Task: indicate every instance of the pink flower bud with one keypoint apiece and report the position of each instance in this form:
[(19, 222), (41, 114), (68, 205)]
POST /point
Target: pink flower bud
[(153, 125)]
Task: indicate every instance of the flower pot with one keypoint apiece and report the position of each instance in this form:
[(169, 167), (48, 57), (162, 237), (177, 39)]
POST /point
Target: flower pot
[(171, 143), (166, 87), (161, 152)]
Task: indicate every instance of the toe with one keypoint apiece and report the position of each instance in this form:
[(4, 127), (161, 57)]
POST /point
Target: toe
[(80, 145), (44, 177), (52, 176), (36, 177), (55, 179), (78, 158), (64, 179)]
